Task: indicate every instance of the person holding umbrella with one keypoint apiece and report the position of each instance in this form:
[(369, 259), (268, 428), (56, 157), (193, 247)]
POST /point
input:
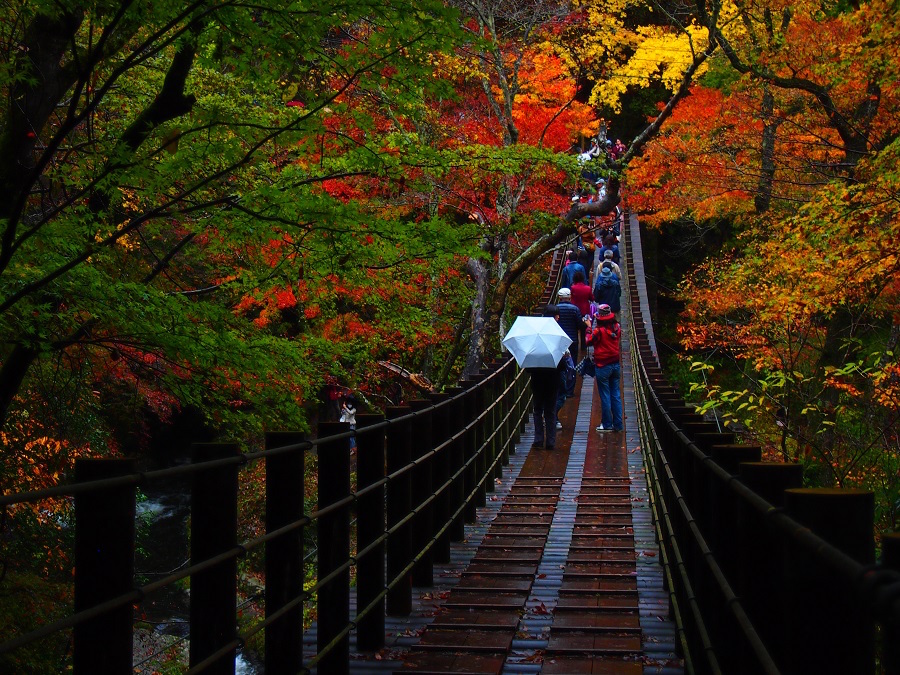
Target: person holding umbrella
[(538, 345)]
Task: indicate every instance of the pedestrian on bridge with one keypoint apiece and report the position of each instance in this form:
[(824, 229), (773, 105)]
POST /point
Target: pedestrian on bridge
[(607, 290), (605, 336), (545, 388), (569, 318), (572, 268), (608, 258)]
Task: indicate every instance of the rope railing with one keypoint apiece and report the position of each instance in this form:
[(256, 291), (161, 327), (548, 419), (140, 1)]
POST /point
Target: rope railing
[(765, 576), (422, 471)]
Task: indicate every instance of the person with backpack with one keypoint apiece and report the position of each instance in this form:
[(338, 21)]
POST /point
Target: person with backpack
[(607, 290), (605, 336)]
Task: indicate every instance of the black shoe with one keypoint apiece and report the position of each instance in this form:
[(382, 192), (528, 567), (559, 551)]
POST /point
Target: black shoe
[(549, 447)]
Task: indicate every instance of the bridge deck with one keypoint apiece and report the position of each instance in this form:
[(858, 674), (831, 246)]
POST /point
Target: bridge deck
[(560, 573)]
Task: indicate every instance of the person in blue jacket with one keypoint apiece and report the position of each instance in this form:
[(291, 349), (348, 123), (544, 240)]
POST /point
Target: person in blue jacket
[(568, 272)]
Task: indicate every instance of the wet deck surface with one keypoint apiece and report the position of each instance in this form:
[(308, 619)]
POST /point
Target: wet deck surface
[(559, 574)]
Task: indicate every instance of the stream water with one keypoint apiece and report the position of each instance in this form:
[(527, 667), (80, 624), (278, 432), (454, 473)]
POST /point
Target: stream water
[(163, 548)]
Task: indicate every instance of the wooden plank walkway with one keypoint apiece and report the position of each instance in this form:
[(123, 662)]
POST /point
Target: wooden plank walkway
[(560, 574)]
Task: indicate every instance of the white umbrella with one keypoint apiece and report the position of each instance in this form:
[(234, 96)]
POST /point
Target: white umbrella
[(536, 342)]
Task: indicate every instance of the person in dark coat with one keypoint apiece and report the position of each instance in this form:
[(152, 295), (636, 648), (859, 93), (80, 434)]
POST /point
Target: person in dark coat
[(610, 243), (607, 290), (568, 273), (545, 383), (569, 319), (586, 259)]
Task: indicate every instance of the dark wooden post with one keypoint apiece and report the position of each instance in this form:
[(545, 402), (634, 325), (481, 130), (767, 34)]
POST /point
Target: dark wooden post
[(422, 489), (284, 555), (816, 601), (441, 474), (760, 572), (370, 457), (333, 534), (213, 610), (890, 559), (104, 568), (457, 459), (399, 499), (480, 449), (469, 448), (524, 402), (494, 430), (723, 504)]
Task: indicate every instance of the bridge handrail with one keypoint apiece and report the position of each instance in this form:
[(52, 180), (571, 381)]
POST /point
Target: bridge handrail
[(482, 438), (686, 552)]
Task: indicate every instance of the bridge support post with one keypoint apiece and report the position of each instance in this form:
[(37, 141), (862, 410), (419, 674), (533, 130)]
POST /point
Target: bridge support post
[(816, 603), (334, 550), (507, 432), (481, 478), (471, 447), (890, 559), (422, 489), (760, 577), (457, 459), (723, 504), (488, 397), (399, 491), (213, 612), (370, 458), (441, 474), (284, 555), (523, 400), (104, 568)]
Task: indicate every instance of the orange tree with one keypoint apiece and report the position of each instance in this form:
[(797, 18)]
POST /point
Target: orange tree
[(794, 149)]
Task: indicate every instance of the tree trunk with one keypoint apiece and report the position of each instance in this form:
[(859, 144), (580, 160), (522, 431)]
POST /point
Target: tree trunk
[(480, 271), (15, 367), (763, 197)]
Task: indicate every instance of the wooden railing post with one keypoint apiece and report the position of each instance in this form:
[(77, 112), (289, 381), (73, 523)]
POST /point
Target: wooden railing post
[(493, 425), (422, 489), (104, 568), (370, 458), (214, 495), (399, 499), (723, 504), (441, 474), (457, 459), (816, 603), (890, 559), (480, 448), (470, 447), (760, 575), (284, 555), (333, 601), (507, 413)]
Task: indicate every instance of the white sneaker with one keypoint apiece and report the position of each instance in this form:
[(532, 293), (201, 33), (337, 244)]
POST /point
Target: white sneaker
[(559, 425), (602, 429)]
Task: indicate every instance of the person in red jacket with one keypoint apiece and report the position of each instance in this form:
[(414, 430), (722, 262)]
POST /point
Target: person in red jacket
[(581, 298), (606, 338)]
